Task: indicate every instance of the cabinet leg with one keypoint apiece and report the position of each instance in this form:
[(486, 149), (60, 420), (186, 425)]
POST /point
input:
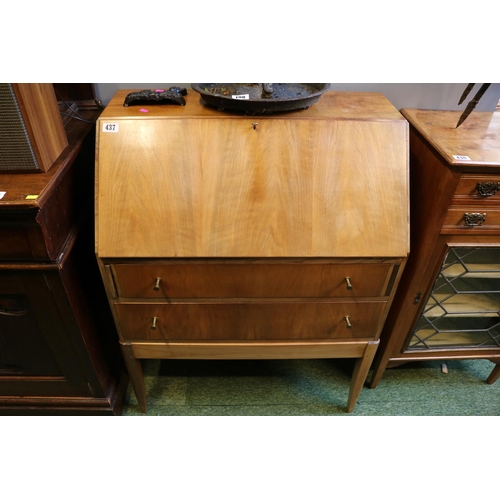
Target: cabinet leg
[(360, 373), (494, 374), (134, 369), (379, 368)]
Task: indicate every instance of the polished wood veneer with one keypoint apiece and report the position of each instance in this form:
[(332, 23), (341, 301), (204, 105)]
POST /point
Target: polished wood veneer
[(225, 278), (291, 186)]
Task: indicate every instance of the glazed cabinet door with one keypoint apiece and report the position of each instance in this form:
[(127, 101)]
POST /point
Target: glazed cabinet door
[(463, 309)]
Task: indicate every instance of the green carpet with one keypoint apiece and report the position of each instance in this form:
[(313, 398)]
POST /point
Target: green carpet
[(313, 388)]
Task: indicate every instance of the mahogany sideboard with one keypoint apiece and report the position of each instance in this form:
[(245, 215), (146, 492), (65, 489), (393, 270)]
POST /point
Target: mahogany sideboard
[(224, 236), (58, 352), (448, 302)]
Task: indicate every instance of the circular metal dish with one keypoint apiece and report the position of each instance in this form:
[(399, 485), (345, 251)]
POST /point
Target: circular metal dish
[(260, 98)]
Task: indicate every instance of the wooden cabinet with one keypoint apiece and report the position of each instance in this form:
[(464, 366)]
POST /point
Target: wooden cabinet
[(448, 302), (58, 352), (221, 236)]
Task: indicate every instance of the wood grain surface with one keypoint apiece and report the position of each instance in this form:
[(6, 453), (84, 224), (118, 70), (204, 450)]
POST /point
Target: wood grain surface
[(43, 121), (251, 280), (477, 138), (246, 321), (222, 188)]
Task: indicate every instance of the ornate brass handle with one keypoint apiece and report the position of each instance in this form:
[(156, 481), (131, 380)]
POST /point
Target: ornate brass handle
[(487, 188), (348, 321), (157, 284), (474, 219), (348, 281), (153, 323)]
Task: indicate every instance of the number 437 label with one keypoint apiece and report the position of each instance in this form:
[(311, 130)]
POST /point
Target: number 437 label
[(110, 127)]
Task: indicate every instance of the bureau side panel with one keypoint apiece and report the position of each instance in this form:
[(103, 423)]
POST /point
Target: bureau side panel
[(227, 188)]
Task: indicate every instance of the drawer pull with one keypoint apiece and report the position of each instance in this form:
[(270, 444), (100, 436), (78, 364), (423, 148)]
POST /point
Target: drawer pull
[(348, 321), (156, 288), (10, 370), (9, 307), (153, 323), (487, 188), (474, 219), (348, 281)]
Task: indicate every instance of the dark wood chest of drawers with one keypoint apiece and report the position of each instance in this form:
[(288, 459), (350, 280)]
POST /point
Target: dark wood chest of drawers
[(58, 352)]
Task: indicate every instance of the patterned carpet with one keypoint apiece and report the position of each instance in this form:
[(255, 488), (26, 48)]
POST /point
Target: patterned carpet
[(313, 388)]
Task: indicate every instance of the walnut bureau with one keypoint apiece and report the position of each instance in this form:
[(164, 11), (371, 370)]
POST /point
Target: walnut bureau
[(224, 236), (448, 301)]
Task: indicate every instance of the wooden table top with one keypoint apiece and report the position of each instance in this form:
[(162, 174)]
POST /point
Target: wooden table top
[(478, 138), (337, 105)]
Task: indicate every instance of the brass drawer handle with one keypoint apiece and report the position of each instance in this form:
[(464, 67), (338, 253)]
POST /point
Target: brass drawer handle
[(157, 284), (348, 281), (153, 323), (487, 188), (348, 321), (474, 219)]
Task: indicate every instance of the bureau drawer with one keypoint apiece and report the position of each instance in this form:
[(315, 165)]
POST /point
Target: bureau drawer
[(471, 219), (252, 280), (250, 321), (478, 188)]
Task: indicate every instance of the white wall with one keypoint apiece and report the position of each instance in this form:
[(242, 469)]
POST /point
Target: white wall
[(401, 95)]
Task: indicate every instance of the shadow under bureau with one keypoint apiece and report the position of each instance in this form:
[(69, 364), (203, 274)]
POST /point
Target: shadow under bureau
[(221, 236)]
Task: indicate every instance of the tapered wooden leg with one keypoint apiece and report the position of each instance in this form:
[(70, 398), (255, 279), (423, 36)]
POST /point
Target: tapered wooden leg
[(360, 373), (494, 374), (377, 373), (134, 369)]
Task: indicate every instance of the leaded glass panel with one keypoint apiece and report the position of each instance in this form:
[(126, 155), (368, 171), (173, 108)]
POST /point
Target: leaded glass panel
[(463, 309)]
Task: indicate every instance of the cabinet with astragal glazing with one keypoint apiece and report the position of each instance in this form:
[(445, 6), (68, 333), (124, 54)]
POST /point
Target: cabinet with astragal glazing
[(448, 301)]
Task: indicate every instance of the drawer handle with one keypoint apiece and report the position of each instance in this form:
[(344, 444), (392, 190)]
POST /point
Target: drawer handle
[(156, 288), (11, 370), (9, 307), (348, 321), (487, 188), (153, 323), (474, 219), (348, 281)]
